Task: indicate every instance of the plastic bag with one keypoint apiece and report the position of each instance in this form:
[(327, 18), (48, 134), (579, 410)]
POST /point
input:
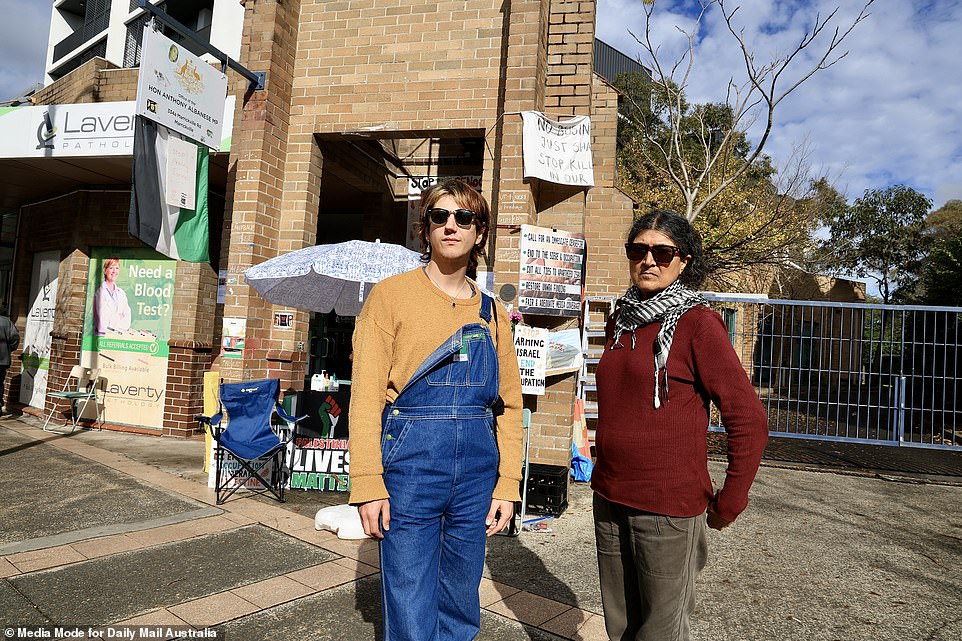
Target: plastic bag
[(581, 466), (343, 520)]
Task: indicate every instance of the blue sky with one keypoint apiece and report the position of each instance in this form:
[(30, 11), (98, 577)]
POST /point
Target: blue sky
[(890, 112)]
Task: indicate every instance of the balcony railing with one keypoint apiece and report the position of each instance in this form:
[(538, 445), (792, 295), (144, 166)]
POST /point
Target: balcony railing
[(68, 44)]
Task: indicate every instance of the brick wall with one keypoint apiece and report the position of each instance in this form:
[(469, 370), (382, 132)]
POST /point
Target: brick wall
[(97, 80), (571, 36), (115, 85), (423, 66), (80, 85), (609, 212)]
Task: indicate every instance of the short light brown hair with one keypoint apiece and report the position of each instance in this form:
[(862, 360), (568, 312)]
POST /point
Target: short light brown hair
[(465, 196), (108, 262)]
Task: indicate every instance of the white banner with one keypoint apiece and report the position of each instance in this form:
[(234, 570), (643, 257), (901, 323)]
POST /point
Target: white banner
[(557, 151), (181, 173), (179, 90), (531, 345), (35, 361)]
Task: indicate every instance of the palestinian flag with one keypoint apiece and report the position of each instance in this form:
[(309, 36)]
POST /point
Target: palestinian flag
[(174, 231)]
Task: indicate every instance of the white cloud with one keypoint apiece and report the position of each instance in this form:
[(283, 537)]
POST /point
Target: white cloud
[(889, 112), (24, 28)]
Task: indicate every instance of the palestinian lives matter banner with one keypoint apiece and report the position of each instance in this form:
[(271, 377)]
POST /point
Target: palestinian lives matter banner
[(551, 271), (35, 362), (319, 455), (130, 297), (557, 151)]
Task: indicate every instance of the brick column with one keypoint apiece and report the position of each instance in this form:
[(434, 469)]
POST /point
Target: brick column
[(65, 338), (258, 158), (609, 210), (562, 55), (185, 385), (522, 89)]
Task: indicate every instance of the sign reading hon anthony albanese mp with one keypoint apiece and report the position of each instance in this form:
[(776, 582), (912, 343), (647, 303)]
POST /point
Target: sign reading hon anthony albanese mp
[(180, 91)]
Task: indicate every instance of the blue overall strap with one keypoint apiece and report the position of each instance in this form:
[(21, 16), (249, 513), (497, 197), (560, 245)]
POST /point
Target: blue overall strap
[(486, 303)]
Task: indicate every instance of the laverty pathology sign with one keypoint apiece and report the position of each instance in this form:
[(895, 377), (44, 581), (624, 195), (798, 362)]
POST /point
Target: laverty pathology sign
[(78, 130), (52, 131)]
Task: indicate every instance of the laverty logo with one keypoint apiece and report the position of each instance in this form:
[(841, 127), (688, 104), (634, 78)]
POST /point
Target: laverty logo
[(46, 132)]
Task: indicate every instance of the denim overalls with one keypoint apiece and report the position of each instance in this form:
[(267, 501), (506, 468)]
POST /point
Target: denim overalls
[(440, 467)]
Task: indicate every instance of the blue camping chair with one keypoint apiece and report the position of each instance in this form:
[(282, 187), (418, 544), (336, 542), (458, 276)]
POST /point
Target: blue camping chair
[(249, 440)]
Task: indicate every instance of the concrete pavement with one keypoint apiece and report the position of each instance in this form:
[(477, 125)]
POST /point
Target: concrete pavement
[(104, 528)]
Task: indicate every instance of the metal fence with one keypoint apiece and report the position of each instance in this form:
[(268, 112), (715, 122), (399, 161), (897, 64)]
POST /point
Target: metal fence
[(884, 374)]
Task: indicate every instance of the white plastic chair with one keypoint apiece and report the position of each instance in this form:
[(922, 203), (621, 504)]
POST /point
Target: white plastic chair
[(86, 383)]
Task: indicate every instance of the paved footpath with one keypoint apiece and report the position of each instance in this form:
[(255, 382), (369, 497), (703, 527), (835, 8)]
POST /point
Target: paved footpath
[(109, 529)]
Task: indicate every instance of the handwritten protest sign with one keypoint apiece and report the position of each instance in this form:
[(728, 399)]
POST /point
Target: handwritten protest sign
[(550, 273), (531, 345), (557, 151)]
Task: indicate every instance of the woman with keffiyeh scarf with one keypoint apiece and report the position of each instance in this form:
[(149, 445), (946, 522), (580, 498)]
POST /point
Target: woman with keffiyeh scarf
[(667, 358)]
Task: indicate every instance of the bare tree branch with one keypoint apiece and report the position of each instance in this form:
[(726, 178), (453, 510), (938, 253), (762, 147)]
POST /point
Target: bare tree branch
[(703, 174)]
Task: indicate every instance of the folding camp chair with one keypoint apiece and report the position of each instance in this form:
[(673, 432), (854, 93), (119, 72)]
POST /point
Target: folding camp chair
[(80, 389), (249, 442)]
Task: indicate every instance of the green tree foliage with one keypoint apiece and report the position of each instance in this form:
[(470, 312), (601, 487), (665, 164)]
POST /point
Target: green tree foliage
[(882, 236), (940, 277)]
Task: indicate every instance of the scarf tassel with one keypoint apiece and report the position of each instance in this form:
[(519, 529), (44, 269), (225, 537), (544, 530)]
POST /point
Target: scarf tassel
[(658, 376)]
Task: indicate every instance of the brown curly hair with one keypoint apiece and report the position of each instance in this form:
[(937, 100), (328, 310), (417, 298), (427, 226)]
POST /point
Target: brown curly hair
[(465, 196)]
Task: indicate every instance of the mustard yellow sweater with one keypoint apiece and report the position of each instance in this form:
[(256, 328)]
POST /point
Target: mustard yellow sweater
[(405, 319)]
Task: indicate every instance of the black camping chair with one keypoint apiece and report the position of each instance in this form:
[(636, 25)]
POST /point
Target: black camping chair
[(249, 443)]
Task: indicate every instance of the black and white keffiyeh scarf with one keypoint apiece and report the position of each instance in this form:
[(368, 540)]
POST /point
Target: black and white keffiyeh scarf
[(666, 306)]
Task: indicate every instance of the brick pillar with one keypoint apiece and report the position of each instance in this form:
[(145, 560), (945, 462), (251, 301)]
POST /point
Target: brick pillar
[(522, 89), (258, 156), (186, 364), (67, 333), (560, 46), (609, 210)]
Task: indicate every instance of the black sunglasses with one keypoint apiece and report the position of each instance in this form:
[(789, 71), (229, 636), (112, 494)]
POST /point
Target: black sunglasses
[(463, 217), (663, 254)]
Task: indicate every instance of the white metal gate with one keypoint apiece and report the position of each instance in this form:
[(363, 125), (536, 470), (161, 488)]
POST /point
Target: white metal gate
[(851, 372)]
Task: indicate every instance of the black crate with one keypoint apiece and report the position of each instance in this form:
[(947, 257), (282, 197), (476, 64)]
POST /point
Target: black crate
[(547, 489)]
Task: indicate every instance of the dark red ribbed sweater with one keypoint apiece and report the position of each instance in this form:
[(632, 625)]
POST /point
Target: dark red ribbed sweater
[(657, 460)]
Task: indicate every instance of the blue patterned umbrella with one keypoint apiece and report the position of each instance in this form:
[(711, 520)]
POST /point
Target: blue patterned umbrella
[(326, 277)]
